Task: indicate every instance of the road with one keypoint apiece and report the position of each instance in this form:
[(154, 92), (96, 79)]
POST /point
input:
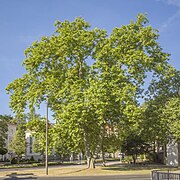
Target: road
[(116, 177)]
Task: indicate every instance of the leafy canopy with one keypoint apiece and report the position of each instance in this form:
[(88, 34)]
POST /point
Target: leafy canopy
[(92, 80)]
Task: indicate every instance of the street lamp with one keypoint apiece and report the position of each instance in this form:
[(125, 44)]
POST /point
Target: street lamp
[(47, 137)]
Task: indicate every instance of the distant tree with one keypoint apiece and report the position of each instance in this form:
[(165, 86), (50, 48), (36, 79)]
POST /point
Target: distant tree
[(18, 144), (63, 147), (169, 96), (134, 145), (4, 119), (164, 93), (171, 114), (154, 128), (112, 144), (161, 111)]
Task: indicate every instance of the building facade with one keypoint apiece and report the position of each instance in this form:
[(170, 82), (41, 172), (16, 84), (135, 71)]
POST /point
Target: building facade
[(173, 154), (29, 148)]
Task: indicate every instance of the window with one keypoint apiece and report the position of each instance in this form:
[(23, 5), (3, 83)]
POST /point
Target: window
[(30, 140), (11, 131), (30, 150)]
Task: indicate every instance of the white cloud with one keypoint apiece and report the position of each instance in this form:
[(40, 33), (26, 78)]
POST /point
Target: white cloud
[(29, 39), (170, 20), (174, 16), (174, 2), (171, 2)]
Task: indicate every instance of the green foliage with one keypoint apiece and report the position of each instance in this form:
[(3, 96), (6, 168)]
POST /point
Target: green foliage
[(3, 151), (111, 143), (161, 110), (171, 115), (7, 118), (166, 86), (37, 127), (92, 80), (153, 127)]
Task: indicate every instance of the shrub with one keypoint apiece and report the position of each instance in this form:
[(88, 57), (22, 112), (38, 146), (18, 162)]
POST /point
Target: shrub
[(32, 158), (14, 160)]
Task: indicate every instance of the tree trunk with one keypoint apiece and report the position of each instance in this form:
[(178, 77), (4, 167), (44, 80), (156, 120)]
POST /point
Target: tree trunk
[(134, 159), (114, 155), (90, 162), (103, 160), (102, 148), (18, 159), (90, 159), (165, 154)]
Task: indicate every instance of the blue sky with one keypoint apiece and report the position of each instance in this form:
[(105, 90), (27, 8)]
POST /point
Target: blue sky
[(24, 21)]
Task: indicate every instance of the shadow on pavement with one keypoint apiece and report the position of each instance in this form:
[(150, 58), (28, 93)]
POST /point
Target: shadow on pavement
[(17, 176)]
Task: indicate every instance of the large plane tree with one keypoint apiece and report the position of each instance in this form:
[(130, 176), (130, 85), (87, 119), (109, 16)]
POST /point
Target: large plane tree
[(92, 80)]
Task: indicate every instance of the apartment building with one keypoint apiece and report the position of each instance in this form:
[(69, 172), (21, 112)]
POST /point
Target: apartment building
[(29, 148), (172, 149)]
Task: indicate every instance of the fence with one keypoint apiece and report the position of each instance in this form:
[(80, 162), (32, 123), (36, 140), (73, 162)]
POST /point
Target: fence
[(157, 175)]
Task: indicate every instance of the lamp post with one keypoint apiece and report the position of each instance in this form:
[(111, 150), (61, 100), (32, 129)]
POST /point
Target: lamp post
[(47, 137)]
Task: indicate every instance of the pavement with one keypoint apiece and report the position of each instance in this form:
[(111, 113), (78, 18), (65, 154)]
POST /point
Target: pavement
[(115, 177)]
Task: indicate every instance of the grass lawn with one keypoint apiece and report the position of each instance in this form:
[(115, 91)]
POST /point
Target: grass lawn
[(83, 171)]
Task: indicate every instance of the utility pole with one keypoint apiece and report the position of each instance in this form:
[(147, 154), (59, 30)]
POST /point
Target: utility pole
[(47, 136)]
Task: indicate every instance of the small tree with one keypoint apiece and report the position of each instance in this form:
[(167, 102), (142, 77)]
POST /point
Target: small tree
[(134, 145), (162, 112), (18, 144), (3, 131), (4, 119)]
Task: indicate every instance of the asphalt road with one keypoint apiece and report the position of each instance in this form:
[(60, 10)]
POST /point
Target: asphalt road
[(117, 177)]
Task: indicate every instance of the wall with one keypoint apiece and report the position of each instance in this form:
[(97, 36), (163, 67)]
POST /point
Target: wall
[(172, 154), (29, 148)]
